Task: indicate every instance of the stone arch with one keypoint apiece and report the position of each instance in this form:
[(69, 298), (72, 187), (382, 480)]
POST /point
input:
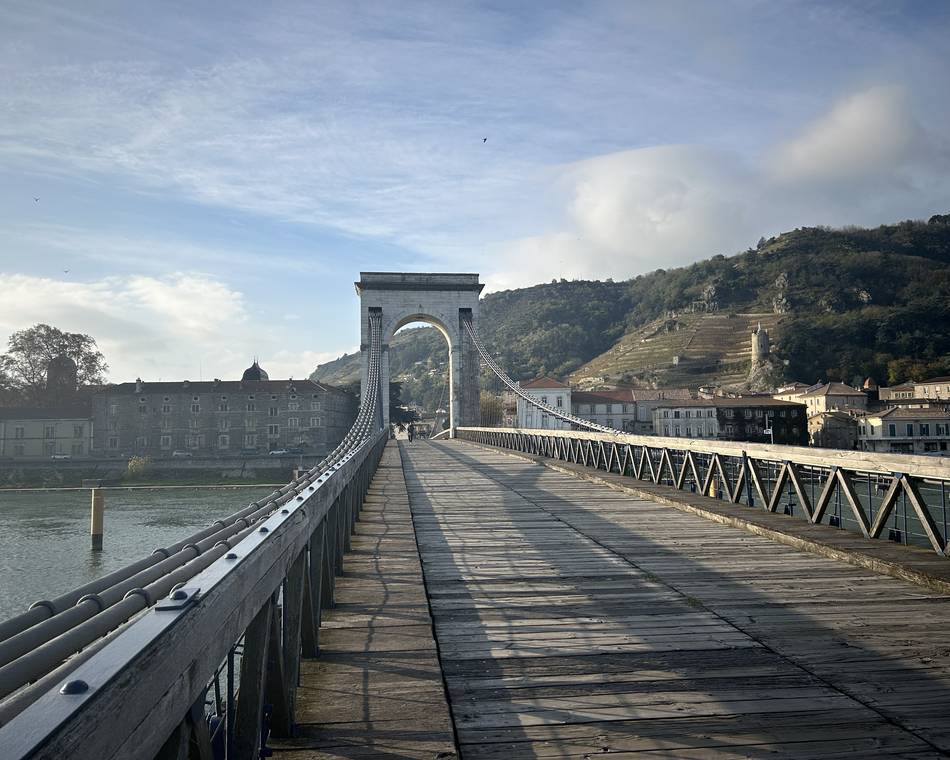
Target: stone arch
[(441, 300)]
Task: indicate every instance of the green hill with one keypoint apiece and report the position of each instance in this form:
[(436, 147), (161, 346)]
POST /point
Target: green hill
[(839, 305)]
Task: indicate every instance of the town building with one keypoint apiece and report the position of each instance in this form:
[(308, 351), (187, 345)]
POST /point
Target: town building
[(734, 419), (220, 418), (833, 430), (648, 399), (904, 430), (614, 409), (550, 392), (827, 397), (896, 392), (935, 388), (44, 433)]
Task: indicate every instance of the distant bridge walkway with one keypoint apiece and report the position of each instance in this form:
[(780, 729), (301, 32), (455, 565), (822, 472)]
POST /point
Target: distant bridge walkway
[(574, 620)]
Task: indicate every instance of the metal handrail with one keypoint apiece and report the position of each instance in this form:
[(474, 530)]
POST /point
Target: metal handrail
[(901, 497), (37, 641)]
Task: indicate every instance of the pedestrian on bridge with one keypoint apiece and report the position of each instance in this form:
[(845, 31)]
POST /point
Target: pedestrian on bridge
[(411, 431)]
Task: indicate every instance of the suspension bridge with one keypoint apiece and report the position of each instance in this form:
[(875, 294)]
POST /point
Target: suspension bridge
[(512, 593)]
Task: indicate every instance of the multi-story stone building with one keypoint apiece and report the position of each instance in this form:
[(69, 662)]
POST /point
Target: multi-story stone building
[(547, 391), (223, 418), (937, 388), (42, 433), (828, 397), (615, 409), (905, 430), (734, 419)]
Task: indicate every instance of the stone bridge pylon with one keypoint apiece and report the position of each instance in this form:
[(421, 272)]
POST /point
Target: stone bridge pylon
[(441, 300)]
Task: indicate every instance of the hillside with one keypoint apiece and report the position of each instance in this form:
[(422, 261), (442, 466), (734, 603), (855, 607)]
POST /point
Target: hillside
[(838, 304)]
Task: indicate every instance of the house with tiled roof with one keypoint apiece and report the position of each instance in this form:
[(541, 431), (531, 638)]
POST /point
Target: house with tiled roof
[(902, 430), (550, 392)]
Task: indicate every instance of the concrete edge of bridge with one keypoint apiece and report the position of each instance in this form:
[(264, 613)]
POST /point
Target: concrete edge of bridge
[(914, 565)]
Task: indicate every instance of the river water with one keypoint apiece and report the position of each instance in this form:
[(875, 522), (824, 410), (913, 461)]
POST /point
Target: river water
[(44, 535)]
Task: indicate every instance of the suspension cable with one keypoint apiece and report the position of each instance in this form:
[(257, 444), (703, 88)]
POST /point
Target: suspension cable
[(516, 389)]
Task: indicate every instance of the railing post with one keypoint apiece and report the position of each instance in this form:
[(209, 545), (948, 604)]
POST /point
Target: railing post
[(250, 706), (312, 607)]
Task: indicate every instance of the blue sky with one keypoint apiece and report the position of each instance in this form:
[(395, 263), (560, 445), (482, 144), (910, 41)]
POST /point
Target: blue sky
[(213, 176)]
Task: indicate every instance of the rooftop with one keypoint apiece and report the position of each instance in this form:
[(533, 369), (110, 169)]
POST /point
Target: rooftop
[(599, 397), (45, 413), (900, 413), (750, 401), (834, 389), (543, 382), (944, 379), (220, 386), (656, 394)]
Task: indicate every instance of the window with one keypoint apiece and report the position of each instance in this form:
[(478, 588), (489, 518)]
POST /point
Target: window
[(224, 424), (729, 413), (223, 406), (941, 429), (250, 423), (676, 429), (224, 441), (195, 441), (748, 414), (166, 408), (758, 413), (113, 410), (910, 429), (892, 430), (781, 413), (250, 441), (251, 407), (314, 422), (666, 430), (544, 420), (314, 406), (273, 430), (165, 424), (794, 429), (273, 398), (76, 448), (166, 399), (544, 400), (293, 422), (141, 442), (143, 409), (925, 428), (689, 431), (688, 414), (272, 412), (730, 430), (193, 424), (49, 431), (710, 412), (18, 432), (676, 414), (195, 408), (165, 442), (560, 402), (113, 443), (666, 413), (293, 406), (50, 448)]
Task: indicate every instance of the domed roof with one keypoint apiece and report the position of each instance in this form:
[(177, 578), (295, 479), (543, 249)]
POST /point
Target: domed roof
[(254, 374)]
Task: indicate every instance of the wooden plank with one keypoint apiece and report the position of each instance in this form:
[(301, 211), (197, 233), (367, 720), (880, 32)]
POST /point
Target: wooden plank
[(566, 612)]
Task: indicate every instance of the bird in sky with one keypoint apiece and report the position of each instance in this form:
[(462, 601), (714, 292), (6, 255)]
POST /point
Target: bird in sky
[(65, 271), (484, 139), (36, 200)]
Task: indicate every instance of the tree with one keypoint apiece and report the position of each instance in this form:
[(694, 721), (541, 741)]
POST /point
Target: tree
[(30, 352), (398, 413)]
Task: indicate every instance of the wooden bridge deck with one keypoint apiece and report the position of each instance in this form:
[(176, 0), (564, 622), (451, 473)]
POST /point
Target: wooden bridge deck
[(573, 620)]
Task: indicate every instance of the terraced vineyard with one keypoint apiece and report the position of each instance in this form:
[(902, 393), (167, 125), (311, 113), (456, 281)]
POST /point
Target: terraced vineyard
[(687, 350)]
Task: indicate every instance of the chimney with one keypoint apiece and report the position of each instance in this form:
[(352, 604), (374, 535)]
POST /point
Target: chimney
[(138, 385)]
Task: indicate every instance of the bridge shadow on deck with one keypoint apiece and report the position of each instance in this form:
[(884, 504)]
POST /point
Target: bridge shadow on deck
[(574, 620)]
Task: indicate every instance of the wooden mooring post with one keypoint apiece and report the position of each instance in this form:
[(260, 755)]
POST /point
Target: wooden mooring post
[(96, 518)]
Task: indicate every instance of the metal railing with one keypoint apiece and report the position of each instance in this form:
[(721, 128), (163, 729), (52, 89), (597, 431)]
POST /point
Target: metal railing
[(899, 497), (151, 641)]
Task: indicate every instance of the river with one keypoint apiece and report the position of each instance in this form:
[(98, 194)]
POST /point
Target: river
[(44, 535)]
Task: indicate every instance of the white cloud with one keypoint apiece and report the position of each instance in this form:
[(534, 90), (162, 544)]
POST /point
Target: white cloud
[(180, 326), (864, 134), (866, 162)]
